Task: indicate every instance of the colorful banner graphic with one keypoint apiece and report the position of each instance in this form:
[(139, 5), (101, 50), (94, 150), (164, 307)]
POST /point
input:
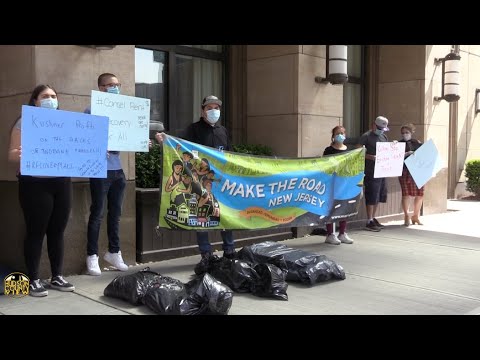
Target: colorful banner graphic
[(205, 188)]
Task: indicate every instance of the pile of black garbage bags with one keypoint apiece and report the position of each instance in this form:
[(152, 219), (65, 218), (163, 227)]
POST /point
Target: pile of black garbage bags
[(261, 269)]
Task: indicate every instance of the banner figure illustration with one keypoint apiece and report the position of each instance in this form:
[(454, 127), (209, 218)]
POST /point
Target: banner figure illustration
[(204, 188)]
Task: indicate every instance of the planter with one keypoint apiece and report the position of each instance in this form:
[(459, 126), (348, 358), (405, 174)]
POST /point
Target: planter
[(160, 244)]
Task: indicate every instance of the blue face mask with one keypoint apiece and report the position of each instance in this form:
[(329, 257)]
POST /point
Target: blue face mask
[(379, 132), (113, 90), (49, 103), (340, 138), (213, 116)]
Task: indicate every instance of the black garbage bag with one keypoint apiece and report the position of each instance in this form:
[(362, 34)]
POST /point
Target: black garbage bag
[(238, 275), (132, 287), (205, 264), (165, 295), (303, 266), (206, 296), (271, 282)]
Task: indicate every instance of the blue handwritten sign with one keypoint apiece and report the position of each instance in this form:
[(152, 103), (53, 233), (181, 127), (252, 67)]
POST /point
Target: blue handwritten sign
[(129, 120), (424, 163), (63, 143)]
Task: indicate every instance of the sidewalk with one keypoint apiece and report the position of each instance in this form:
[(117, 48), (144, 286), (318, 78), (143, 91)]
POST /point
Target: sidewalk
[(429, 269)]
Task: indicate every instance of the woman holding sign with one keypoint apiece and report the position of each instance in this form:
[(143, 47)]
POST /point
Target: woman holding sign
[(46, 202), (409, 188)]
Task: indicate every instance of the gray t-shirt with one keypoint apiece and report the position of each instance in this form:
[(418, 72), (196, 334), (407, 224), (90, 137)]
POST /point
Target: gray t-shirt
[(369, 140), (18, 124)]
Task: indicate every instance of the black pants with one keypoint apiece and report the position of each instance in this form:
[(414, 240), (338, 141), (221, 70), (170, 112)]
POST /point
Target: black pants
[(46, 204), (112, 188)]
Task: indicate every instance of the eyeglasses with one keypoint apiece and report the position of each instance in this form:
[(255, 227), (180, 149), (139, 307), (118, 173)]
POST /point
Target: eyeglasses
[(112, 85)]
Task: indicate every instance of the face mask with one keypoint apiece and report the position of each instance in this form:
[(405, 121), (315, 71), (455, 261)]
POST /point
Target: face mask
[(406, 137), (113, 90), (339, 138), (213, 116), (378, 132), (49, 103)]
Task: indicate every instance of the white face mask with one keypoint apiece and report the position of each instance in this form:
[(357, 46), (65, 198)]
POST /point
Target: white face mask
[(407, 136), (213, 115), (49, 103)]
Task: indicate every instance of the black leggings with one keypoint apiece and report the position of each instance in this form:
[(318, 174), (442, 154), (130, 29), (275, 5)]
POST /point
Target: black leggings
[(46, 204)]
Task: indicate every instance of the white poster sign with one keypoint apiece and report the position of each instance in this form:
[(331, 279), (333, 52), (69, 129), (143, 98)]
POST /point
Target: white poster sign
[(389, 159), (129, 120)]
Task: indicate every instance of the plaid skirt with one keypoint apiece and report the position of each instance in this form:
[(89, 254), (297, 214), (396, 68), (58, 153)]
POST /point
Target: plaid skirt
[(409, 188)]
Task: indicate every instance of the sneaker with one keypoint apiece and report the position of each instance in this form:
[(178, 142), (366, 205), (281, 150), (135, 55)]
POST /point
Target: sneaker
[(202, 266), (378, 224), (344, 238), (59, 283), (230, 255), (92, 265), (37, 289), (116, 260), (372, 227), (332, 239)]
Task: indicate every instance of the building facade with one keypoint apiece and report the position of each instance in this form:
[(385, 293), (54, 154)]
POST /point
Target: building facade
[(267, 90)]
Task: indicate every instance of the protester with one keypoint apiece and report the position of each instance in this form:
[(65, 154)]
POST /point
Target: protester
[(408, 185), (46, 202), (375, 188), (111, 188), (208, 132), (337, 147)]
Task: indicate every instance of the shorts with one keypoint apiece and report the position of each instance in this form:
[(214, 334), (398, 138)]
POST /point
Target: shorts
[(375, 190)]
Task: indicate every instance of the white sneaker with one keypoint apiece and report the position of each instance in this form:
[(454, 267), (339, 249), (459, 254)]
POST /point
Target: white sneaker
[(92, 265), (116, 260), (344, 238), (332, 239)]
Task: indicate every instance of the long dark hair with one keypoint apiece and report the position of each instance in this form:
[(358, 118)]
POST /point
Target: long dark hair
[(38, 89)]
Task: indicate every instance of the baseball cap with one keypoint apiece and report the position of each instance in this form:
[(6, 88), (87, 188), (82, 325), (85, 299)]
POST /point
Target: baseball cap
[(382, 122), (211, 99)]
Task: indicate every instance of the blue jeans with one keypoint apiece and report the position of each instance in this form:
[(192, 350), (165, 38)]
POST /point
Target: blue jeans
[(205, 246), (113, 188)]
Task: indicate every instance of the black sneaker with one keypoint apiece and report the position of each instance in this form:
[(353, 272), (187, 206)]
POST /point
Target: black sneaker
[(230, 255), (372, 227), (37, 289), (59, 283), (378, 224), (202, 266)]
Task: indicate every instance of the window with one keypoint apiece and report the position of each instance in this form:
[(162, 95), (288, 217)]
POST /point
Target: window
[(353, 91), (176, 78), (150, 82)]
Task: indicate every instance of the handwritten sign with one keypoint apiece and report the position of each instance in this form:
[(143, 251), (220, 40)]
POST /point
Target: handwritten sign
[(129, 120), (389, 159), (424, 163), (63, 143)]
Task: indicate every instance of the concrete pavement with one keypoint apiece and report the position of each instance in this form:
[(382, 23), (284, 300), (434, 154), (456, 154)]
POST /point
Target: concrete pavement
[(430, 269)]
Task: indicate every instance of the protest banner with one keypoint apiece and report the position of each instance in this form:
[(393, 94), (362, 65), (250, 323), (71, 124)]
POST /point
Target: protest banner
[(206, 188)]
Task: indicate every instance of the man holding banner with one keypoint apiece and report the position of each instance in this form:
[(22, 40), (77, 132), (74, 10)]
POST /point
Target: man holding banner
[(208, 132), (113, 188)]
